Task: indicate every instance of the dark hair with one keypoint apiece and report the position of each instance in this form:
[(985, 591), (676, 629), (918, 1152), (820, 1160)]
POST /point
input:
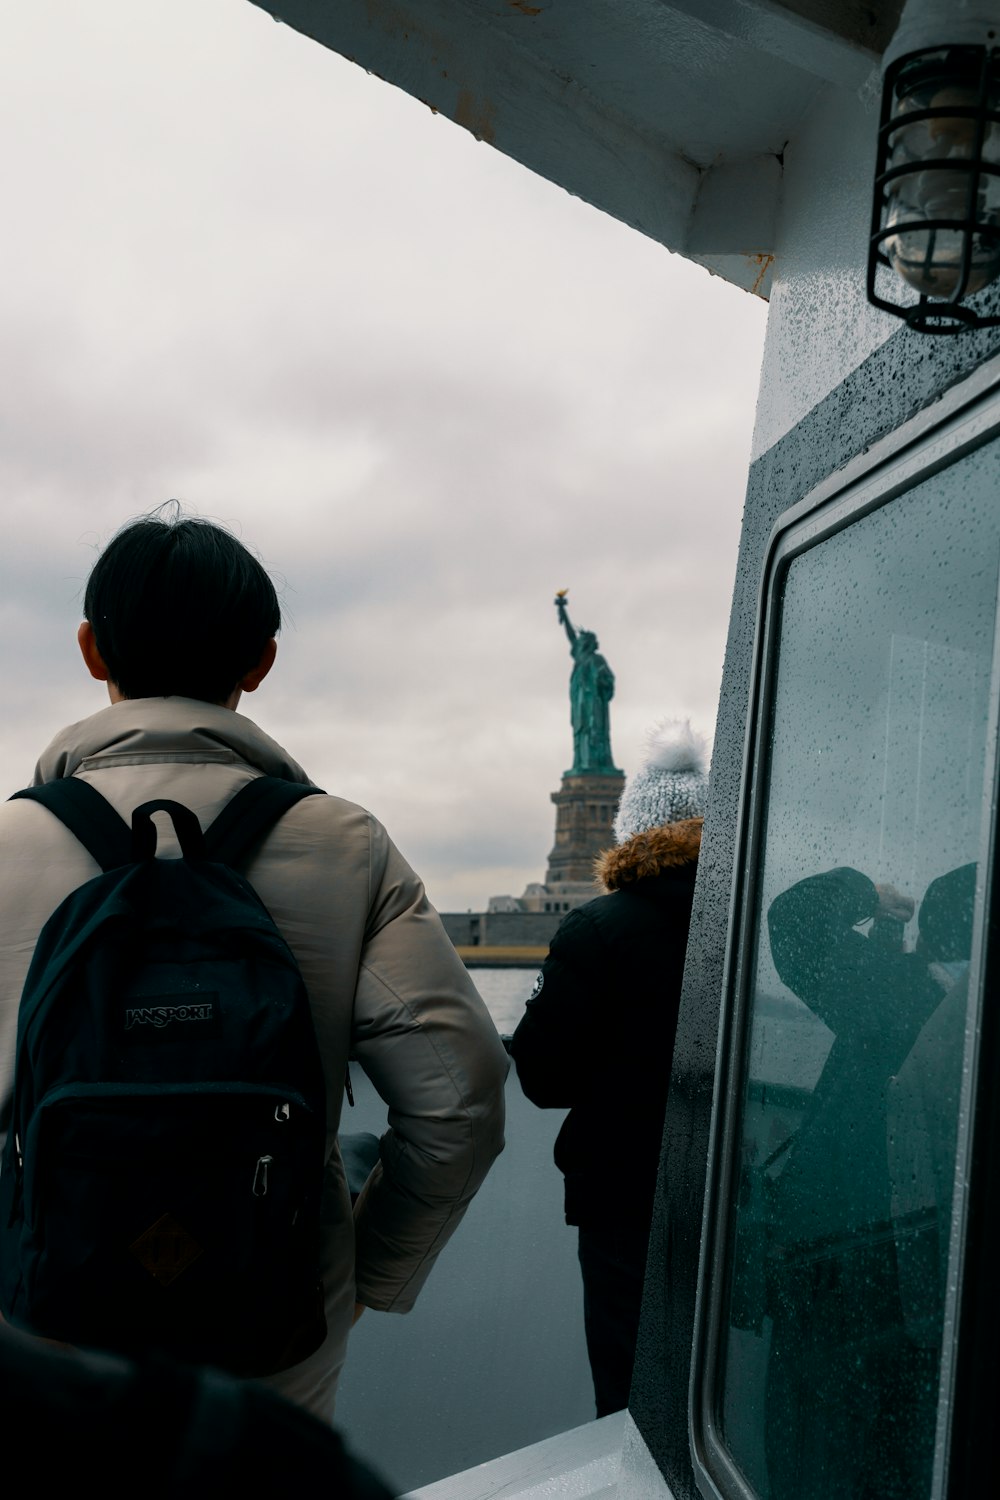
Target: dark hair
[(180, 607), (945, 919)]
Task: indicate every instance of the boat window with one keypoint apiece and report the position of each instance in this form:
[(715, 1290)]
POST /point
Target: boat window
[(865, 892)]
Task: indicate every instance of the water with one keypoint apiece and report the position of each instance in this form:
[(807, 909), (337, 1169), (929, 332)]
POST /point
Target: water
[(504, 992), (493, 1356)]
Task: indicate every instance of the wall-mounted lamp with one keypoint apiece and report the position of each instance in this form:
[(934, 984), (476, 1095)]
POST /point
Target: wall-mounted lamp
[(936, 211)]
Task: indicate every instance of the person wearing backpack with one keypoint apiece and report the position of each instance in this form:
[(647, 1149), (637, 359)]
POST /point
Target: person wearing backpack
[(194, 941)]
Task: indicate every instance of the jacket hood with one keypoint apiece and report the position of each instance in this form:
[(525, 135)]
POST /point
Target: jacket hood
[(177, 729), (649, 853)]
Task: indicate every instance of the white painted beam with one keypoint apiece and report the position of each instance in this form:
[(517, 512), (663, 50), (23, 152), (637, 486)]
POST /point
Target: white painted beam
[(695, 168), (458, 65)]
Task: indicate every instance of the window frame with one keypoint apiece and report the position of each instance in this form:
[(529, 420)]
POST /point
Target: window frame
[(964, 419)]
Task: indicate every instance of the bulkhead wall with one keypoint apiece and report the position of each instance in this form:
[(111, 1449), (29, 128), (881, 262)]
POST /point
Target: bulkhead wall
[(903, 375)]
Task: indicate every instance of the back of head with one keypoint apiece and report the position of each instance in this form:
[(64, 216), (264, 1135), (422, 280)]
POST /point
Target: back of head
[(179, 607), (670, 786), (945, 918)]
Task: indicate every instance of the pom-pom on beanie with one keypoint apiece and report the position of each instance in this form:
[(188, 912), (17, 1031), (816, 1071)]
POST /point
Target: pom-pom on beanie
[(671, 784)]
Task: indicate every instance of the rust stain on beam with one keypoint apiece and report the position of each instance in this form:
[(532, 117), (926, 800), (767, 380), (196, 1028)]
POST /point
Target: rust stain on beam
[(764, 262), (403, 23), (476, 115)]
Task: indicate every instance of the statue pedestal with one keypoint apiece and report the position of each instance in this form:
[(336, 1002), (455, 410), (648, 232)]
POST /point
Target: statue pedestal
[(585, 811)]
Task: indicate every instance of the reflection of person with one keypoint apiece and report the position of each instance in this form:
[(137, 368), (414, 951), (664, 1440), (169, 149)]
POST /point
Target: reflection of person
[(597, 1038), (874, 997), (843, 1376), (591, 688), (180, 621), (923, 1111)]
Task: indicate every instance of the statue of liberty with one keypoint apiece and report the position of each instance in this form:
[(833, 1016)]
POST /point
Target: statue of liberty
[(591, 688)]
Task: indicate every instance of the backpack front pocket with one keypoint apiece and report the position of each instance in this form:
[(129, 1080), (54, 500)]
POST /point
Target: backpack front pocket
[(168, 1217)]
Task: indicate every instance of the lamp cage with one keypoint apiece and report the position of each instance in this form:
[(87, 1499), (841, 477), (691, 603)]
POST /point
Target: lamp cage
[(936, 204)]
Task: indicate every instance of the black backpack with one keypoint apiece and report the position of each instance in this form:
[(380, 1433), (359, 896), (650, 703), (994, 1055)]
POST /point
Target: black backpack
[(162, 1175)]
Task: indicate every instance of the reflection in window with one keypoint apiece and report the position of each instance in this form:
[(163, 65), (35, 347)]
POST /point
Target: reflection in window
[(866, 886)]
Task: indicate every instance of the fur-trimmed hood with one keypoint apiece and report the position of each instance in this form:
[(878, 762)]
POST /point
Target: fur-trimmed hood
[(649, 853)]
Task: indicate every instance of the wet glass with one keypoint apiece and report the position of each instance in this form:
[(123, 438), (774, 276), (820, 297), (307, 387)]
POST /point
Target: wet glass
[(836, 1261)]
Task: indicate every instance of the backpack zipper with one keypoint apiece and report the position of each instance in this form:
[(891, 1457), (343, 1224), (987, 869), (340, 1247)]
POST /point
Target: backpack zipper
[(286, 1099), (260, 1176)]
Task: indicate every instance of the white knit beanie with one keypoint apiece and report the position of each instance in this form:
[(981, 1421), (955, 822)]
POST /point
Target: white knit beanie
[(671, 784)]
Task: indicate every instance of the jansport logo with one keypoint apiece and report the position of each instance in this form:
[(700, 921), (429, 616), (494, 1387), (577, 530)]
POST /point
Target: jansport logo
[(159, 1016)]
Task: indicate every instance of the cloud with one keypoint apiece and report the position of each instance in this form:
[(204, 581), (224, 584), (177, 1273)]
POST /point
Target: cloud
[(427, 387)]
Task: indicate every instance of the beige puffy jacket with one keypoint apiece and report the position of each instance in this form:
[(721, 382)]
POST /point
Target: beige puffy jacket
[(385, 983)]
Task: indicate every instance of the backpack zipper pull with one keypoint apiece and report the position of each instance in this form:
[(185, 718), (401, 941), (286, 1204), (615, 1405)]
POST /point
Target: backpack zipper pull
[(260, 1176), (17, 1198)]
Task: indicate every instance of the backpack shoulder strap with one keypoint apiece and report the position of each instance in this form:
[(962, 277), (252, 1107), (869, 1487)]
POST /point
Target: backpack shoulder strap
[(251, 814), (88, 816)]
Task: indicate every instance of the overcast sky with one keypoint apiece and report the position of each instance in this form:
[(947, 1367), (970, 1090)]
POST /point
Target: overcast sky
[(427, 387)]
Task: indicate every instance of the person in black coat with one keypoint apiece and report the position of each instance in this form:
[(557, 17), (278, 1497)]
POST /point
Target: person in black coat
[(597, 1038)]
